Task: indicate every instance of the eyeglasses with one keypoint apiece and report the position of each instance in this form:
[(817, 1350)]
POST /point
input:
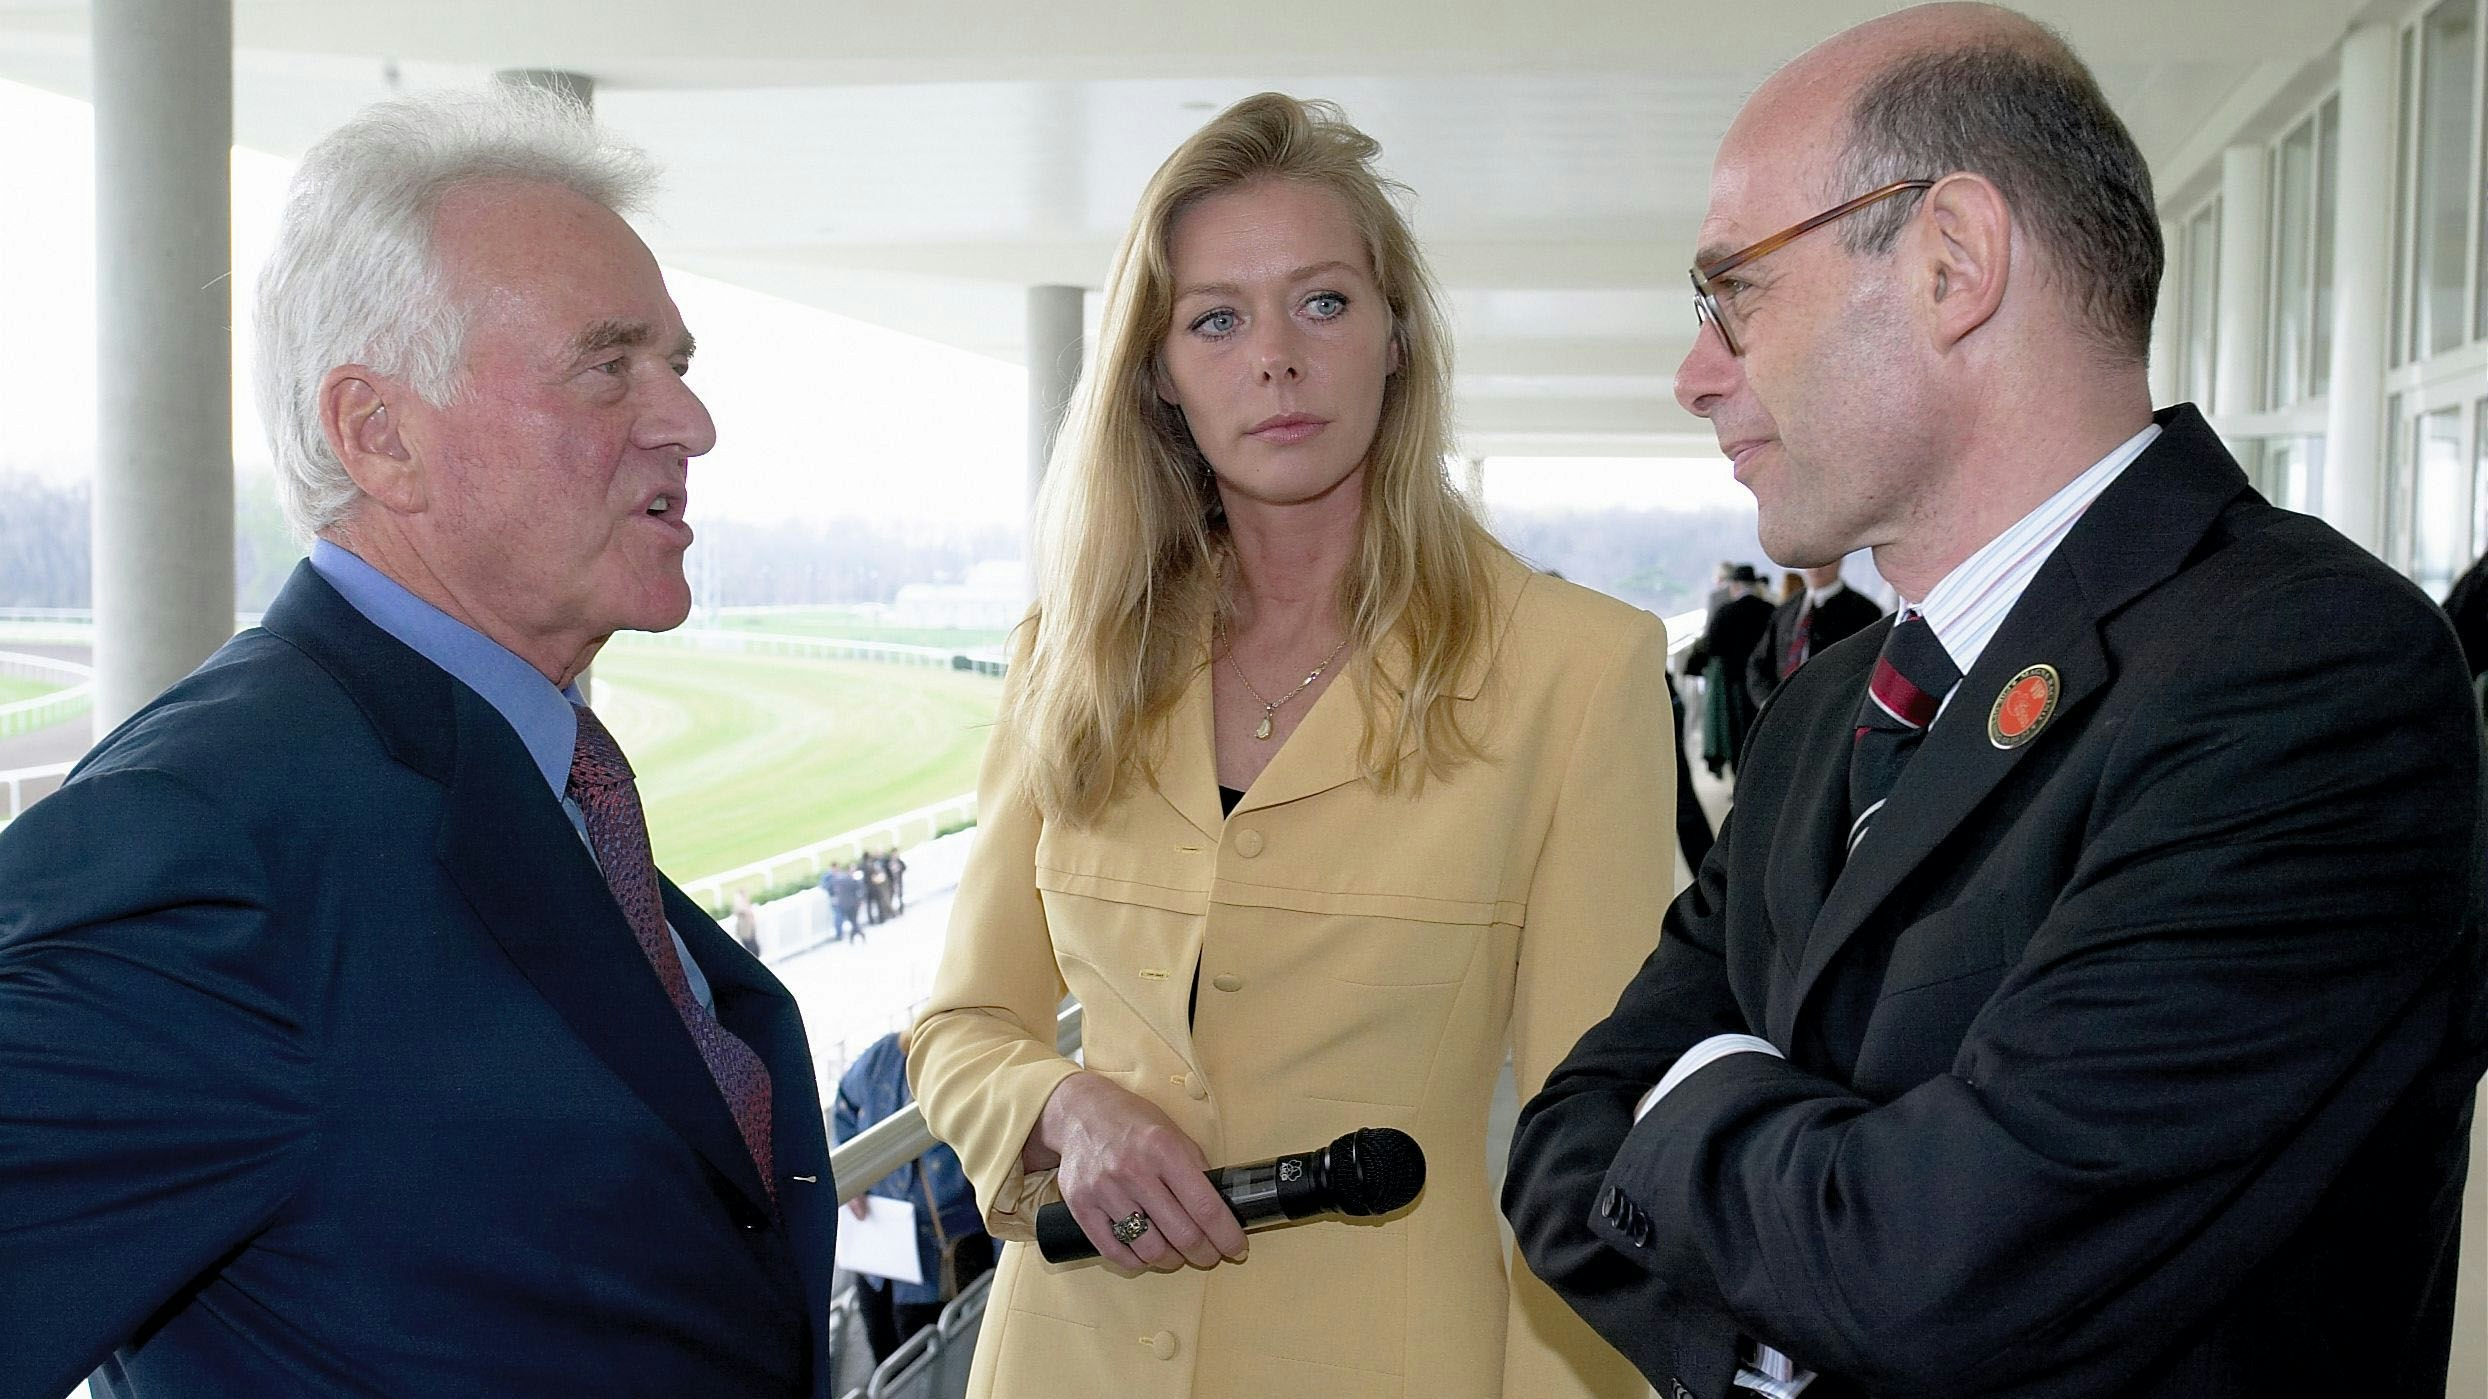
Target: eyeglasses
[(1706, 299)]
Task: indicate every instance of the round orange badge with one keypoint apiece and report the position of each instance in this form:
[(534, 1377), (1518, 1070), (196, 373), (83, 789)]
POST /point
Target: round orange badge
[(2025, 706)]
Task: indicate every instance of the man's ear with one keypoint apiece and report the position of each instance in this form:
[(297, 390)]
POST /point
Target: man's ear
[(1964, 251), (368, 437)]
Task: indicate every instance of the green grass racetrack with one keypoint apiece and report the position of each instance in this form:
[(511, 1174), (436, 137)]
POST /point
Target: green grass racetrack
[(743, 757), (18, 687)]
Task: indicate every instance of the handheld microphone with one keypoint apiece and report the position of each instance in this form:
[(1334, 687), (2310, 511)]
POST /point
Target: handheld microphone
[(1373, 1170)]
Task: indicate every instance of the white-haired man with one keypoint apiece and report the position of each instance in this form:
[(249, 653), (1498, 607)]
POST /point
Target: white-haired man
[(2087, 998), (350, 1043)]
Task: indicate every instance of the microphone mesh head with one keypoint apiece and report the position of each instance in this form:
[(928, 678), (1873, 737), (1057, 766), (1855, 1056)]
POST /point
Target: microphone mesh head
[(1375, 1170)]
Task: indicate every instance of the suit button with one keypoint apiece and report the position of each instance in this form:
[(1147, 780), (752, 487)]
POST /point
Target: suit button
[(1681, 1391), (1195, 1087), (1162, 1345), (1248, 843), (1227, 981), (1609, 1200)]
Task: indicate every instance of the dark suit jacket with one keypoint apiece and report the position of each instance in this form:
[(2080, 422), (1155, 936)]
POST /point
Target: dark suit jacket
[(328, 1066), (1844, 614), (2137, 1060)]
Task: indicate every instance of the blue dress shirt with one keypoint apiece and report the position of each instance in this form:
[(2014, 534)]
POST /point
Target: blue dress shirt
[(539, 711)]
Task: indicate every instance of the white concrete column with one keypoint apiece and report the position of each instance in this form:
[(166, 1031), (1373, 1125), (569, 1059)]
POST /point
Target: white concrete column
[(1055, 328), (2354, 426), (163, 540), (2164, 319), (2237, 370)]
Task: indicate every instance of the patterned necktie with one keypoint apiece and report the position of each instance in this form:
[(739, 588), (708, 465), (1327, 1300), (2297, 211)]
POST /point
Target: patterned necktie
[(600, 782), (1800, 641), (1912, 676)]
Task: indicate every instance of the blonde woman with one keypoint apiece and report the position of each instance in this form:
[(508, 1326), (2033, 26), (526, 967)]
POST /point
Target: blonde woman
[(1313, 795)]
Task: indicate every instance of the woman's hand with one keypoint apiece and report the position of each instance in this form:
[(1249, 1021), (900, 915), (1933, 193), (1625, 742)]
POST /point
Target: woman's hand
[(1113, 1152)]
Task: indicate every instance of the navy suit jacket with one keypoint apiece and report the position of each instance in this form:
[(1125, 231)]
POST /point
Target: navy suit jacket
[(328, 1066), (2134, 1060)]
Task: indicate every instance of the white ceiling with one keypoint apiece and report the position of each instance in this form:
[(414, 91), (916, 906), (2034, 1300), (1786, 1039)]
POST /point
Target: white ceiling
[(919, 165)]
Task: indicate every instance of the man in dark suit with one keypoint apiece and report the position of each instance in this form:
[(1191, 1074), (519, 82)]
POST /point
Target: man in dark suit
[(350, 1044), (2087, 997), (1826, 613)]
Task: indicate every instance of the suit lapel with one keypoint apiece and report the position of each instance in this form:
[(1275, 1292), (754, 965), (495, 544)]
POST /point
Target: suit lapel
[(1805, 859), (756, 1006), (1187, 771), (1323, 752), (2135, 535), (505, 843)]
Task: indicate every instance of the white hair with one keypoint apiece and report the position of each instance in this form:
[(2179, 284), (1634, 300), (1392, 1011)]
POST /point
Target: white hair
[(355, 277)]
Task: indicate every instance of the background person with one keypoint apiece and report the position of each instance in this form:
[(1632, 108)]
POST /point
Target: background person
[(952, 1247), (1314, 796), (349, 1040), (2087, 998), (1825, 612), (1736, 627)]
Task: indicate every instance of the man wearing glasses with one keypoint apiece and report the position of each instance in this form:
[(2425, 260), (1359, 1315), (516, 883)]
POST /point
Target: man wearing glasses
[(2087, 998)]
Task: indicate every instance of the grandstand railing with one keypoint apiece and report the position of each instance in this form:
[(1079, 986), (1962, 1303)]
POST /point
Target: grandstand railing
[(76, 692)]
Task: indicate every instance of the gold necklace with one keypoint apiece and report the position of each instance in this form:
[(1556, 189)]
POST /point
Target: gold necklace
[(1270, 707)]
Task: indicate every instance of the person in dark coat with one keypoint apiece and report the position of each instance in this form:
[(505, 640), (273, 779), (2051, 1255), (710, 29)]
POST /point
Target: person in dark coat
[(2090, 994), (1736, 626), (1825, 612)]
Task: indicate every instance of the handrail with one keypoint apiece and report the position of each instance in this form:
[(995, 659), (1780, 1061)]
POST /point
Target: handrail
[(862, 1160), (1683, 630), (15, 780), (26, 715)]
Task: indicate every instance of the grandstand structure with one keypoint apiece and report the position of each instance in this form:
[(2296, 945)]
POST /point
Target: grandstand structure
[(960, 169)]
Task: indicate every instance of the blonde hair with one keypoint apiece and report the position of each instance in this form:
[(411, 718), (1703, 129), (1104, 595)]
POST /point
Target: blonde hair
[(1133, 548)]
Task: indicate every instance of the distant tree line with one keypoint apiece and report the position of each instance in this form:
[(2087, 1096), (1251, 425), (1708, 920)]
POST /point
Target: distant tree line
[(1661, 560)]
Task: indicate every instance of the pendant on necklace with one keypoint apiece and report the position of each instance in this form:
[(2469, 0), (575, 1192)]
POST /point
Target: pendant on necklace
[(1263, 729)]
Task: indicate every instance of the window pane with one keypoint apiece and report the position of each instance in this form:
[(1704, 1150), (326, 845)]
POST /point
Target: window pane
[(2441, 536), (2293, 238), (2327, 180), (2402, 103), (2448, 91), (2396, 484), (2202, 304), (2479, 478)]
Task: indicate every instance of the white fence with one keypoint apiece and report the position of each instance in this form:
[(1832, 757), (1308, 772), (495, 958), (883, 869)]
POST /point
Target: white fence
[(906, 828), (763, 643), (15, 781), (77, 690)]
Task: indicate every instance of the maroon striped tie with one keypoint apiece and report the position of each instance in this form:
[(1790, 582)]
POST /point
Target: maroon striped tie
[(601, 783), (1800, 640), (1911, 678)]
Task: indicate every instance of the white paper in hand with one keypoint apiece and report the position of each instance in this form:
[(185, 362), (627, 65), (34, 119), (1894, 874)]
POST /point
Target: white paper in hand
[(883, 1242)]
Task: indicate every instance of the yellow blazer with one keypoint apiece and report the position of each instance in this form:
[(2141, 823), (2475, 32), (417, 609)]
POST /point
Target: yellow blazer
[(1363, 960)]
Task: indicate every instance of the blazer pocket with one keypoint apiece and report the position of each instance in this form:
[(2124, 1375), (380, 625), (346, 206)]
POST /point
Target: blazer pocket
[(1980, 935)]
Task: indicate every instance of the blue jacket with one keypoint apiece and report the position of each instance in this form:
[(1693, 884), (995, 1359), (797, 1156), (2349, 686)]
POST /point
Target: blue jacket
[(873, 1087)]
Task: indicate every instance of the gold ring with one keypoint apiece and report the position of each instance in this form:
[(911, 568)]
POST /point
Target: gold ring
[(1131, 1226)]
